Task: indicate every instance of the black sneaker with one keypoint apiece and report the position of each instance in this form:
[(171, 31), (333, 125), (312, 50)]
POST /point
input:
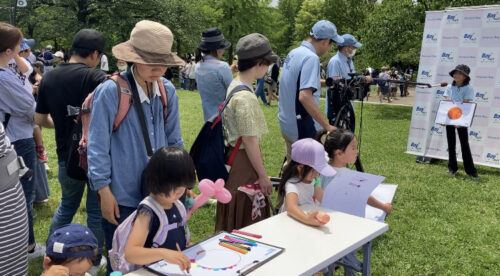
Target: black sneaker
[(452, 173), (474, 176)]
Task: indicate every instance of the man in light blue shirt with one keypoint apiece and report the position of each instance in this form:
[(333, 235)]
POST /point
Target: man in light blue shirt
[(300, 86), (342, 63), (213, 75)]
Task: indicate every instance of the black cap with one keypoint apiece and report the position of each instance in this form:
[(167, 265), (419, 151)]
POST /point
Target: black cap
[(212, 39), (462, 68), (89, 39)]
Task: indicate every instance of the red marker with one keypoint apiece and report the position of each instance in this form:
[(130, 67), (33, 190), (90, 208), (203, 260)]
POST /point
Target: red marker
[(247, 234)]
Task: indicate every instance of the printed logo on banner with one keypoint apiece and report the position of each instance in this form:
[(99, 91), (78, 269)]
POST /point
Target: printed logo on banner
[(420, 111), (430, 38), (452, 19), (415, 146), (439, 95), (469, 38), (481, 95), (492, 157), (437, 130), (448, 56), (495, 118), (425, 75), (488, 57), (492, 17), (475, 136)]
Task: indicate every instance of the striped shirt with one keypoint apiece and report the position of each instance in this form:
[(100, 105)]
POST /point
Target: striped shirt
[(13, 232), (5, 145)]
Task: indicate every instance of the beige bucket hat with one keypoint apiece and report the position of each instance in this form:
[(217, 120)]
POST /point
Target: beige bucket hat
[(150, 43)]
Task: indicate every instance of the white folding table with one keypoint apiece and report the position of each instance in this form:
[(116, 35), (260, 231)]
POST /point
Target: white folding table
[(309, 249)]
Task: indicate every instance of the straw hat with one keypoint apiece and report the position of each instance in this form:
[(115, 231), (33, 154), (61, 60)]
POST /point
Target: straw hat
[(150, 43)]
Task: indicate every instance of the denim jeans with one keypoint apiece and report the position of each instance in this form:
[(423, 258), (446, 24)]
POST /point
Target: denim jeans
[(109, 230), (42, 190), (26, 149), (259, 90), (71, 196)]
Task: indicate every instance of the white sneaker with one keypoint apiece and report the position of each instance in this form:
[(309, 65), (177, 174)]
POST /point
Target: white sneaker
[(211, 201), (37, 251), (94, 270)]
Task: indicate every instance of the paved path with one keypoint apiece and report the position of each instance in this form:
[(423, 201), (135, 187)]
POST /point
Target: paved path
[(407, 101)]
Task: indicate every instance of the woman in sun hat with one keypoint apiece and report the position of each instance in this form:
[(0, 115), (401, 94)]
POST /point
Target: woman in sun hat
[(244, 118), (213, 76), (116, 159)]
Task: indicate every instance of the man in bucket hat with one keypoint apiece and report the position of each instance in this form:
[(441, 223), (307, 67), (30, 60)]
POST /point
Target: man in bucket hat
[(68, 85), (213, 76), (300, 86), (116, 159)]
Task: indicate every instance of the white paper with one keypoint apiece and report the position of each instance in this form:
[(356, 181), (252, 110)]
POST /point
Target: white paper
[(385, 194), (209, 258), (465, 120), (348, 192)]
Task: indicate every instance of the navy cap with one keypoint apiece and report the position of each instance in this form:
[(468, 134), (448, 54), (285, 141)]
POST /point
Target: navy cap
[(324, 29), (69, 236), (349, 40)]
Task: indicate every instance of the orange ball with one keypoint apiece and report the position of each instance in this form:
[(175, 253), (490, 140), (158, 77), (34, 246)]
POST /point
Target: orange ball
[(454, 113), (322, 217)]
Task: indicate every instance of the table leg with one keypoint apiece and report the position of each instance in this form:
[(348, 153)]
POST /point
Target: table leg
[(367, 252)]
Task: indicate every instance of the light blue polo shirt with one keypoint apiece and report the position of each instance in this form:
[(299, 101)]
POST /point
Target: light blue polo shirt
[(300, 60), (459, 94), (213, 77), (339, 66)]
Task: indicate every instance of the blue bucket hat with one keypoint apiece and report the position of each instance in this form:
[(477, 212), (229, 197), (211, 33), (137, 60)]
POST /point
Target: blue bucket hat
[(24, 45), (69, 236), (349, 40), (324, 29)]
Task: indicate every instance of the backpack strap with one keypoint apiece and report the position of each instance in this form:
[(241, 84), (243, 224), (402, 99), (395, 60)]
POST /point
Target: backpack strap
[(236, 89), (161, 236), (182, 211), (164, 100), (223, 105), (140, 113)]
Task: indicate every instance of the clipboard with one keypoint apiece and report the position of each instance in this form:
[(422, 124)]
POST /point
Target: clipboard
[(456, 114), (209, 258)]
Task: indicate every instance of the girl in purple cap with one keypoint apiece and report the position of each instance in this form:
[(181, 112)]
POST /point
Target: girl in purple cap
[(296, 187)]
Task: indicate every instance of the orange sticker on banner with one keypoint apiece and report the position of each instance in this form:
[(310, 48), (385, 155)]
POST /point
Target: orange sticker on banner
[(454, 113)]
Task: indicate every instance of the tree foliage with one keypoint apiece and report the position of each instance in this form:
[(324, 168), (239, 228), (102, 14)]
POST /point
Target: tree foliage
[(390, 30)]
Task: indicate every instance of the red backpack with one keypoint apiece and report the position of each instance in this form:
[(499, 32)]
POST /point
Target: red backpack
[(125, 101)]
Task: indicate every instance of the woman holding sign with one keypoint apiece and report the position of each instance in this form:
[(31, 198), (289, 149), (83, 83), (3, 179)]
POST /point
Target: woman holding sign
[(459, 91)]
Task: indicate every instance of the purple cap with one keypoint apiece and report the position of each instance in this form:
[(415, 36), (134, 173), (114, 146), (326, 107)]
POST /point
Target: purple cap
[(312, 153)]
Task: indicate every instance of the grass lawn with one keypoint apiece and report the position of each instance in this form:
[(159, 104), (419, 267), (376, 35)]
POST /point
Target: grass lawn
[(439, 225)]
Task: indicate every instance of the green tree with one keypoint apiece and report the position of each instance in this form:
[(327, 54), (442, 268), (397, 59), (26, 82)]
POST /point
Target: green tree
[(310, 12), (288, 10)]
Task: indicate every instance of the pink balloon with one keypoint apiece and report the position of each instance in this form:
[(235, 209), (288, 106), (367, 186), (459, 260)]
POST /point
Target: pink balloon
[(208, 189)]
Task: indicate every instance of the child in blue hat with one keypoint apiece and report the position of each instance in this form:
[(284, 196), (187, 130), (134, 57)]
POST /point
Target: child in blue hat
[(71, 250)]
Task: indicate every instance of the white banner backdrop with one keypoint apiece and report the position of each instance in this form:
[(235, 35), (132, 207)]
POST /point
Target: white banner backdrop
[(459, 36)]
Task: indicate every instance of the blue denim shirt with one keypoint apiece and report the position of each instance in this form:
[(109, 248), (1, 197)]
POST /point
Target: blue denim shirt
[(339, 66), (19, 103), (118, 158), (459, 94), (213, 77), (301, 60)]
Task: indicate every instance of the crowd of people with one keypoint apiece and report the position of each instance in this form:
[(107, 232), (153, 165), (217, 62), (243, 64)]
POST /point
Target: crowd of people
[(136, 154)]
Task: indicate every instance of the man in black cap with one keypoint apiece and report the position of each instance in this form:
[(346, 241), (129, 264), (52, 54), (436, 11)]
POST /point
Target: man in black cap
[(61, 89)]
